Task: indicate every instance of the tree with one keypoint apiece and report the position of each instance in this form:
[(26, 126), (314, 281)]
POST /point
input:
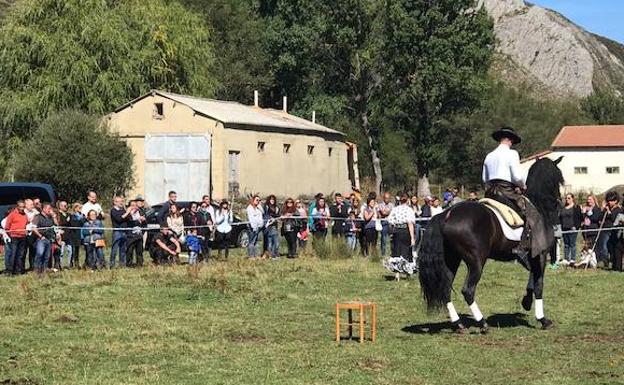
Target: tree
[(325, 58), (436, 56), (76, 152), (94, 55), (604, 107)]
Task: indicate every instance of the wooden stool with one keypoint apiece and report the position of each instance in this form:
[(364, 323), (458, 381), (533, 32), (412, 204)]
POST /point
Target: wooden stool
[(360, 307)]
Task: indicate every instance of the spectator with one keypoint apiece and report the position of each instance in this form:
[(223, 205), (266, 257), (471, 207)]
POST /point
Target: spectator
[(456, 198), (320, 219), (210, 217), (37, 204), (31, 239), (383, 210), (339, 211), (571, 219), (592, 216), (414, 205), (607, 241), (119, 219), (426, 208), (165, 248), (193, 242), (43, 229), (435, 206), (255, 216), (92, 204), (175, 222), (92, 234), (369, 239), (302, 234), (290, 225), (271, 216), (76, 221), (172, 198), (311, 208), (136, 223), (193, 219), (224, 222), (402, 219), (355, 208), (207, 211), (472, 197), (352, 229), (447, 197), (15, 227), (64, 219)]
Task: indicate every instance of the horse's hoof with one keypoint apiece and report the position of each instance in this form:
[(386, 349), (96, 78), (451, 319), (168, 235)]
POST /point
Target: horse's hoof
[(527, 301), (459, 328), (484, 328), (546, 323)]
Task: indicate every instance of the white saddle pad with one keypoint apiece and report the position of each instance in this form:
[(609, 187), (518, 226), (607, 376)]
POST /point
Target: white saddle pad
[(510, 233)]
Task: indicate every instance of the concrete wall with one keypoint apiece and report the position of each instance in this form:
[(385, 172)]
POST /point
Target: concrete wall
[(270, 171), (597, 160)]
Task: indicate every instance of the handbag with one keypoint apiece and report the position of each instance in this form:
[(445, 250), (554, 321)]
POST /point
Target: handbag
[(378, 225), (100, 243)]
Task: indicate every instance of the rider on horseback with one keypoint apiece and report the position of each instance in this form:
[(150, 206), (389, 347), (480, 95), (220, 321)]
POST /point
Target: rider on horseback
[(504, 182)]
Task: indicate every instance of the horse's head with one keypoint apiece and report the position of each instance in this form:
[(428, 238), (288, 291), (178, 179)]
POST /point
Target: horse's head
[(543, 186)]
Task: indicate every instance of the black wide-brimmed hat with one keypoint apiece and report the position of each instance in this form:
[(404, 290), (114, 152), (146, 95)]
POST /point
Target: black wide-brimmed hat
[(506, 132)]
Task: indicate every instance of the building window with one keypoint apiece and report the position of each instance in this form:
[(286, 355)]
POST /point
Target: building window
[(613, 170), (286, 148), (158, 111), (310, 150), (261, 146), (580, 170), (330, 151)]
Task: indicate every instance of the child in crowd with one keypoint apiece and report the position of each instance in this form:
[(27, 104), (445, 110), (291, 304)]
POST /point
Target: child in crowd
[(351, 230), (193, 242)]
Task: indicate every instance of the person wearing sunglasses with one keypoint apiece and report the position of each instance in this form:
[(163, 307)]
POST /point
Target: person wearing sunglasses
[(571, 219)]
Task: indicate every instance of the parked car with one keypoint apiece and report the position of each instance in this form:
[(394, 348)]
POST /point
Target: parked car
[(10, 193), (240, 231)]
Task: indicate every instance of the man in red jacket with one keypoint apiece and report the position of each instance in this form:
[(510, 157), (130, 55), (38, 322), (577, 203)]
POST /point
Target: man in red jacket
[(15, 228)]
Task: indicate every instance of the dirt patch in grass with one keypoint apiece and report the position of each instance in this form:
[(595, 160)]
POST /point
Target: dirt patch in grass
[(245, 338), (373, 364), (67, 318)]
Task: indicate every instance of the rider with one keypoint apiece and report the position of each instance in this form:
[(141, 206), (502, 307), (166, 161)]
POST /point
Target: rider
[(503, 178)]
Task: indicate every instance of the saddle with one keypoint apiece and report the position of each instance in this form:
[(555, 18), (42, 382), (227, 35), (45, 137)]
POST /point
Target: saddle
[(508, 214)]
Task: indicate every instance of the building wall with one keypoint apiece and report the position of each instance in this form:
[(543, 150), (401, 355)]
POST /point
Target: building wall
[(270, 171), (285, 174), (596, 160)]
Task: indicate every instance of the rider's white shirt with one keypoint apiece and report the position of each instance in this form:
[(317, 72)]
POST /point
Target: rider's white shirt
[(503, 163)]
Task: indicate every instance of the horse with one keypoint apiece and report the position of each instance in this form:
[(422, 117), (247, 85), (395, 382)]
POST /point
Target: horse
[(470, 232)]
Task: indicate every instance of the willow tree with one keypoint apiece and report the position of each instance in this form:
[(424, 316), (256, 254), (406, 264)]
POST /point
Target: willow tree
[(94, 55)]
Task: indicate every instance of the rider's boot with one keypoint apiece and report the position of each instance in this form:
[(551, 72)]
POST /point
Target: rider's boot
[(521, 251)]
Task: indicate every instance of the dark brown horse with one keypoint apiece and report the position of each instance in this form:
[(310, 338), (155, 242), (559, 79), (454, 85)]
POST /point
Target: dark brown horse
[(470, 232)]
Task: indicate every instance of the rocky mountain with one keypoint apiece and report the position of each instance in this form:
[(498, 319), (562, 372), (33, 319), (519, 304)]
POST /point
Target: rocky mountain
[(544, 49)]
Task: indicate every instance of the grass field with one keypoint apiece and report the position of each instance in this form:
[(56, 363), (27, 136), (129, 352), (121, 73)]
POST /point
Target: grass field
[(272, 322)]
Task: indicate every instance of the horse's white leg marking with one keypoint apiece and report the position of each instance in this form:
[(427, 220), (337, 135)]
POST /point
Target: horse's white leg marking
[(476, 312), (539, 309), (452, 312)]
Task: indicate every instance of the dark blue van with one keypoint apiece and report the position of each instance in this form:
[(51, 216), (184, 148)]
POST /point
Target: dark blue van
[(10, 193)]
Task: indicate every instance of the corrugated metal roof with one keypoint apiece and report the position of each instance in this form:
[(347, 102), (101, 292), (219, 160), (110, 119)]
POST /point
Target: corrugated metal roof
[(590, 136), (234, 113)]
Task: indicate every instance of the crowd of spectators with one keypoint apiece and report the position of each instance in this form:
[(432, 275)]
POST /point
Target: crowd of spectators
[(50, 237)]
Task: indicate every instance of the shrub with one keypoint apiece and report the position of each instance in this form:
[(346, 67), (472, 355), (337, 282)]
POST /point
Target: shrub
[(75, 152)]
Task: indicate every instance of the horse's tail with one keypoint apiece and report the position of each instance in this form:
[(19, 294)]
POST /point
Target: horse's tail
[(435, 276)]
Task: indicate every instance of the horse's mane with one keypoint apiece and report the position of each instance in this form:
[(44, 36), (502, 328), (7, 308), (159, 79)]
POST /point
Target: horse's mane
[(543, 183)]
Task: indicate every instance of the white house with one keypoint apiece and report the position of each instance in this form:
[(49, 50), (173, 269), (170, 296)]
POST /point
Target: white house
[(593, 157)]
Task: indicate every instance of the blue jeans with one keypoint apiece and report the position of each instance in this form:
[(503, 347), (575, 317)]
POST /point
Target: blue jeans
[(14, 256), (385, 234), (192, 257), (70, 254), (602, 253), (351, 241), (95, 256), (42, 253), (272, 237), (569, 246), (119, 246), (252, 248)]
